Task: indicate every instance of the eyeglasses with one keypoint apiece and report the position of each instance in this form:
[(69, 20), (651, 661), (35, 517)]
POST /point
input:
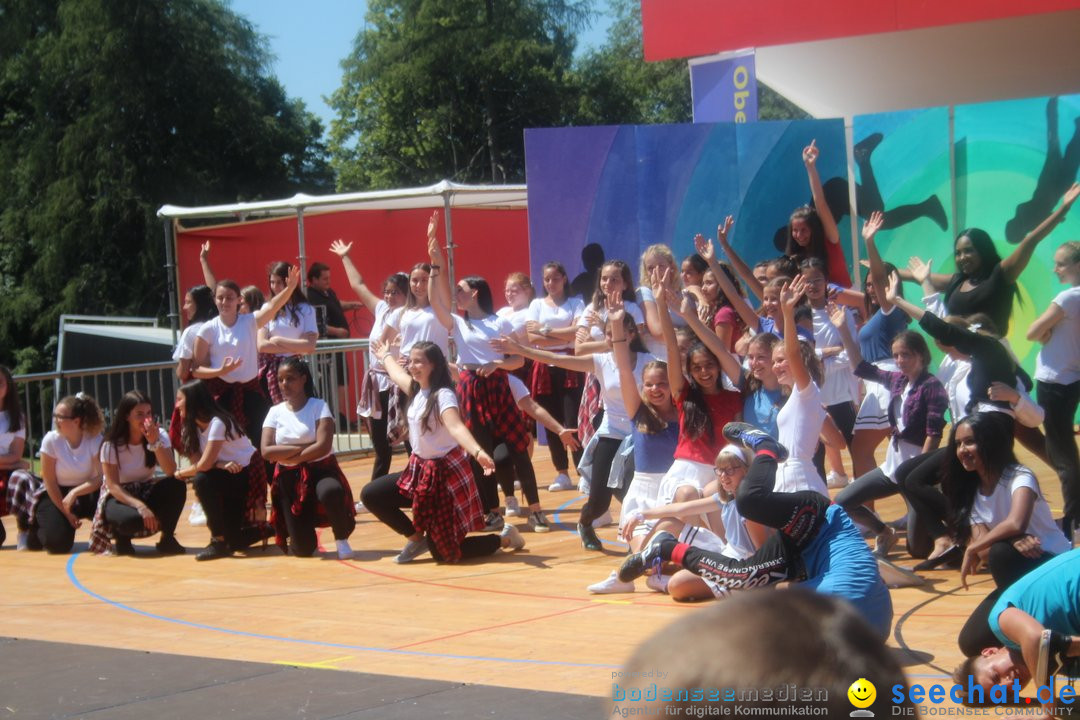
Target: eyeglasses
[(57, 416), (729, 470)]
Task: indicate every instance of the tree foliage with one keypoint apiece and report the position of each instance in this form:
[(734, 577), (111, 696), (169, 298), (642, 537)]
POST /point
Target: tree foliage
[(109, 109), (444, 88)]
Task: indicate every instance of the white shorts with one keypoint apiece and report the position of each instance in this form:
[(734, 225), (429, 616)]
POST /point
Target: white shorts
[(641, 496), (874, 411), (684, 472)]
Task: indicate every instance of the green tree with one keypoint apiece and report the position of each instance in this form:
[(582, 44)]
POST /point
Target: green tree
[(444, 88), (109, 109)]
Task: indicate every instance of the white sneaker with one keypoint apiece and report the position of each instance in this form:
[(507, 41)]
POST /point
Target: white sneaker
[(512, 507), (359, 508), (517, 485), (196, 517), (837, 480), (516, 540), (602, 521), (562, 482), (412, 550), (344, 550), (657, 582), (583, 486), (21, 540), (611, 585)]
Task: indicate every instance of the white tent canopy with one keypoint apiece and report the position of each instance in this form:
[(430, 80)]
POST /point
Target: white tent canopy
[(443, 194)]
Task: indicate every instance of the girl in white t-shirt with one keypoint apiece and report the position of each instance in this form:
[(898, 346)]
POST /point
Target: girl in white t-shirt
[(12, 442), (552, 326), (48, 510), (222, 459), (375, 389), (136, 502), (226, 353), (291, 331), (656, 258), (438, 481), (309, 488), (1057, 375)]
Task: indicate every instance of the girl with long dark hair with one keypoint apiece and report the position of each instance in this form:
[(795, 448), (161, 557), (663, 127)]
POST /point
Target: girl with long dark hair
[(290, 332), (812, 231), (135, 502)]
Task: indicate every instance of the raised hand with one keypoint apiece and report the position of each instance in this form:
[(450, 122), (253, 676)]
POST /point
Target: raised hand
[(293, 280), (704, 247), (1071, 194), (810, 154), (434, 251), (920, 270), (204, 251), (723, 229), (339, 248), (791, 293), (837, 315), (892, 291), (872, 225), (616, 309)]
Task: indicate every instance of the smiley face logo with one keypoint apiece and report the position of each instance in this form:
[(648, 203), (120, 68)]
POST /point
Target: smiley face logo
[(862, 693)]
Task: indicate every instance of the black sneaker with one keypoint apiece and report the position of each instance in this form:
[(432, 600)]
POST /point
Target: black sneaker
[(538, 523), (589, 539), (635, 564), (216, 550), (493, 522), (124, 546), (757, 440), (170, 546)]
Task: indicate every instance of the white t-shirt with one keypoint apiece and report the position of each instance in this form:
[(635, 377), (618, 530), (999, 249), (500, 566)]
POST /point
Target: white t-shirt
[(994, 508), (473, 337), (1059, 358), (597, 332), (557, 317), (437, 440), (284, 326), (840, 383), (185, 349), (74, 466), (416, 324), (616, 423), (517, 388), (297, 428), (239, 341), (656, 345), (131, 459), (382, 313), (238, 450), (517, 318), (798, 425), (7, 438)]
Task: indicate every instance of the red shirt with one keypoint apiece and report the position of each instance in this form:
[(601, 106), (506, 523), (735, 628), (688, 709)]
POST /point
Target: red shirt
[(723, 407)]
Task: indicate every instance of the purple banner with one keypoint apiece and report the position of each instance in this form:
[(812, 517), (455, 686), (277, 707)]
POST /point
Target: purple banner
[(724, 90)]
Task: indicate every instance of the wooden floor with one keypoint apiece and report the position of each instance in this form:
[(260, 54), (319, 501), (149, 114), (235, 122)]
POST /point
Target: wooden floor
[(521, 620)]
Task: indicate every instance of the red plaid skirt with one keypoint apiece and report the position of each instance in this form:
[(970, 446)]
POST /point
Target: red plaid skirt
[(268, 368), (445, 503), (488, 403), (101, 534), (592, 402), (540, 380), (310, 472)]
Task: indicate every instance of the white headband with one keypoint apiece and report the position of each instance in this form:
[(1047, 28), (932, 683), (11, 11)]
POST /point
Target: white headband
[(735, 450)]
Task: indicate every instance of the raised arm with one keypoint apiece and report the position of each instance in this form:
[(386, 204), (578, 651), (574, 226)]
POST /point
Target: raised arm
[(745, 271), (204, 261), (1021, 256), (877, 266), (838, 317), (620, 348), (708, 338), (356, 281), (437, 262), (790, 295), (705, 249), (270, 309), (892, 294), (810, 156), (438, 283)]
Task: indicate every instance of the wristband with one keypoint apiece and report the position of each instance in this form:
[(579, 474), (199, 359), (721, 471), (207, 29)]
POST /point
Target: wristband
[(154, 446)]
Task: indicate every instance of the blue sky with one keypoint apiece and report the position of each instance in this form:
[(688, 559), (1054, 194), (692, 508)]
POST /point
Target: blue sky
[(310, 38)]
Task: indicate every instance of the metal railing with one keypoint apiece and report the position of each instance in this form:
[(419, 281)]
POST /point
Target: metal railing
[(338, 367)]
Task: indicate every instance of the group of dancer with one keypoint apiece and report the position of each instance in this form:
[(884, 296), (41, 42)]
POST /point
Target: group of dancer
[(713, 400)]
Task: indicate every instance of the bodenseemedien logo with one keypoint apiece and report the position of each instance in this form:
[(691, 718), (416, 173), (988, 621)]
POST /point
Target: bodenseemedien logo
[(862, 694)]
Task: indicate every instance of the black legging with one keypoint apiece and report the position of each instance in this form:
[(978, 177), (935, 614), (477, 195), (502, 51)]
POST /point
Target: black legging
[(562, 404), (1007, 566), (165, 499), (51, 526), (928, 508), (384, 499), (844, 414), (599, 493), (223, 495), (486, 485), (329, 493), (510, 465), (377, 430), (1060, 402)]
